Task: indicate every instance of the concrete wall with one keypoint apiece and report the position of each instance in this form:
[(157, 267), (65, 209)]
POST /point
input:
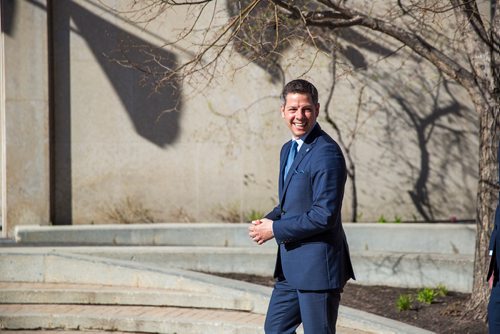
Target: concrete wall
[(24, 115), (197, 152)]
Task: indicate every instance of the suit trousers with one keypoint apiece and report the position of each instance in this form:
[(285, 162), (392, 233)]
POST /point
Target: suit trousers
[(494, 310), (288, 307)]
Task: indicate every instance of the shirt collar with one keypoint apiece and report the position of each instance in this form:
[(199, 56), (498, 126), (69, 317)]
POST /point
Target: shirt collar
[(301, 139)]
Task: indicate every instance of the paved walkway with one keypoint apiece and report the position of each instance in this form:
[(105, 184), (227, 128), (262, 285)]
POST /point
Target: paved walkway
[(138, 319)]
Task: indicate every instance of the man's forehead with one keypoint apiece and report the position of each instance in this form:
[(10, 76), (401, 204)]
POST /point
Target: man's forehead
[(294, 96), (292, 101)]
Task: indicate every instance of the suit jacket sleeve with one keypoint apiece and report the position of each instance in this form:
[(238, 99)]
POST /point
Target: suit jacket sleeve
[(275, 214), (327, 177)]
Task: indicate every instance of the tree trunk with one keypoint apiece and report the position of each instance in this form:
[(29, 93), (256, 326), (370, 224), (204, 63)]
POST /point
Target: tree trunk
[(487, 199)]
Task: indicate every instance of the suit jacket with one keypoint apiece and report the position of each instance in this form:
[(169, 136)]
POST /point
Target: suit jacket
[(495, 237), (495, 249), (312, 248)]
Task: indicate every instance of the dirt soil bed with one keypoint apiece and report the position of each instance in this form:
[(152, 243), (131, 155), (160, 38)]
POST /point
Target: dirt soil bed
[(444, 316)]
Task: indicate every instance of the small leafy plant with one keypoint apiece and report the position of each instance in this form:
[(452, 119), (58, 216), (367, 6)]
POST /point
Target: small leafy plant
[(404, 302), (424, 296), (427, 295), (397, 219), (382, 219)]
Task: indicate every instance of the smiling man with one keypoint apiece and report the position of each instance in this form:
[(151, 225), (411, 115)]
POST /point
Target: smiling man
[(313, 262)]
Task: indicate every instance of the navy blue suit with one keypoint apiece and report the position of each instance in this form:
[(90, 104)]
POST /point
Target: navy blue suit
[(313, 255), (494, 304)]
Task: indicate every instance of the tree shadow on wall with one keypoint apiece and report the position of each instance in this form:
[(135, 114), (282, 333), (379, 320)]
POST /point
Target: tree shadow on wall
[(263, 42), (267, 35), (8, 10), (436, 119), (132, 66), (136, 70)]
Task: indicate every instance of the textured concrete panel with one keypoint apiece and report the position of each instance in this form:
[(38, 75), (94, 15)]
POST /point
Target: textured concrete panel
[(25, 127)]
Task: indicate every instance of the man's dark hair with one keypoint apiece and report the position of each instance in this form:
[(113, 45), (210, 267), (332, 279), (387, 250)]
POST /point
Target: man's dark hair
[(302, 87)]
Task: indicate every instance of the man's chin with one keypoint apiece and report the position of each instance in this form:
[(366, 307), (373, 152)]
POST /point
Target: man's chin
[(298, 134)]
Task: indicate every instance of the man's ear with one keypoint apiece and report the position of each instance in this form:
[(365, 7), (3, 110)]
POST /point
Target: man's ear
[(282, 109), (317, 109)]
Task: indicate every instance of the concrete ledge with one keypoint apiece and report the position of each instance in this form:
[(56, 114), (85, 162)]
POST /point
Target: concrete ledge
[(372, 268), (168, 234), (403, 255), (362, 237), (244, 260), (414, 270), (417, 238), (351, 318)]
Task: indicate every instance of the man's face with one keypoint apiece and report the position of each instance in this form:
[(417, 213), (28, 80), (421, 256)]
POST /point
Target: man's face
[(299, 113)]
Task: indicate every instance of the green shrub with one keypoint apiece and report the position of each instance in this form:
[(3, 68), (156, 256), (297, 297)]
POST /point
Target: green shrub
[(404, 302), (426, 295), (382, 219)]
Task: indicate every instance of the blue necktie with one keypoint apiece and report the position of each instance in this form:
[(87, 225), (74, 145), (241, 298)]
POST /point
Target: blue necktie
[(291, 156)]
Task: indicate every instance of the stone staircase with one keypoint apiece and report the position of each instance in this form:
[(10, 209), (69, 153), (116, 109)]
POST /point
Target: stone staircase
[(54, 291)]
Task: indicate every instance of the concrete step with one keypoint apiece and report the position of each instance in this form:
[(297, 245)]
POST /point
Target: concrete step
[(407, 237), (66, 319), (145, 319), (79, 319), (36, 266), (59, 331), (64, 293)]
